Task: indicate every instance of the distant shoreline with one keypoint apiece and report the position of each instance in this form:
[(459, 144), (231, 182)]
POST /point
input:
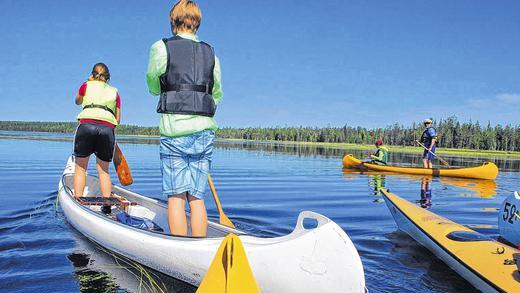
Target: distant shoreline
[(341, 146)]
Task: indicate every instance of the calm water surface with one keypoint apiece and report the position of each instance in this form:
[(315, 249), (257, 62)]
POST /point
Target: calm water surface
[(262, 187)]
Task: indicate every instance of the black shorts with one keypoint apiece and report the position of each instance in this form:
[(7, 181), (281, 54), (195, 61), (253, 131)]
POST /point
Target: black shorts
[(94, 138)]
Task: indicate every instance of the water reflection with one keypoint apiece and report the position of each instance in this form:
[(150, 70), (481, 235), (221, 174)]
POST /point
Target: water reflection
[(100, 270), (426, 193), (376, 182), (472, 187), (91, 280), (395, 157), (480, 188)]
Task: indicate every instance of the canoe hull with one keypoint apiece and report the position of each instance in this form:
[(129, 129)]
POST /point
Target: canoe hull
[(476, 261), (509, 219), (487, 171), (322, 259)]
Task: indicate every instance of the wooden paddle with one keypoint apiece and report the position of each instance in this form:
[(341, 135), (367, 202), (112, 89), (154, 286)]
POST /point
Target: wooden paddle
[(440, 159), (122, 169), (223, 219)]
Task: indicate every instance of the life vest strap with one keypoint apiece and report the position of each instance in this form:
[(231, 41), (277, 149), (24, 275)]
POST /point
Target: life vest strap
[(100, 107), (202, 88)]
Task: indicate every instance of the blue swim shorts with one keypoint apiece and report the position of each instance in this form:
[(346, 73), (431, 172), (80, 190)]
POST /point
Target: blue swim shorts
[(185, 163), (429, 156)]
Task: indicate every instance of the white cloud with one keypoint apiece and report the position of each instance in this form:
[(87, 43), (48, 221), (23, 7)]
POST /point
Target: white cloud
[(509, 98)]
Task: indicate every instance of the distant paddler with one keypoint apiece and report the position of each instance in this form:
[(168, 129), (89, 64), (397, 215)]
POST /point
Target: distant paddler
[(429, 140), (380, 157)]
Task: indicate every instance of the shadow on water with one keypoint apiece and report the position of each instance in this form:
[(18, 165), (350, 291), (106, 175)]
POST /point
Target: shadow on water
[(433, 272), (100, 270)]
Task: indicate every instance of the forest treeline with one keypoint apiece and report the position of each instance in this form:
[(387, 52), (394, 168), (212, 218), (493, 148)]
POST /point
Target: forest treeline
[(452, 133)]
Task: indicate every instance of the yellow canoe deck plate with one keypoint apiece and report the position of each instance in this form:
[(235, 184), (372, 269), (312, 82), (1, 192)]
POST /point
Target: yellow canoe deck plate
[(487, 264), (229, 271), (488, 170)]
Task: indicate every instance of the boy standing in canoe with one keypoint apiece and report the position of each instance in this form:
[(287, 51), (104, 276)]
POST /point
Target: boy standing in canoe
[(428, 139), (186, 74), (95, 134)]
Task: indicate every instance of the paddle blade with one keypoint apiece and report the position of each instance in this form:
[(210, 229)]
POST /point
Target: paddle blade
[(224, 220), (122, 169), (229, 271)]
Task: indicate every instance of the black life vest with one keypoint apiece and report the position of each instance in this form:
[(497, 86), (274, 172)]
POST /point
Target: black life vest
[(427, 139), (187, 84)]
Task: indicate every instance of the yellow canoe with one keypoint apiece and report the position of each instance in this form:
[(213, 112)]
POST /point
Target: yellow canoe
[(488, 265), (488, 170)]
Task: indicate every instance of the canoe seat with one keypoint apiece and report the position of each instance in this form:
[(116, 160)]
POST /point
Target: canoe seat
[(467, 236), (99, 201)]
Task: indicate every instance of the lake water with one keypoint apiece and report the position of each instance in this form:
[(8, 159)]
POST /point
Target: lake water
[(262, 188)]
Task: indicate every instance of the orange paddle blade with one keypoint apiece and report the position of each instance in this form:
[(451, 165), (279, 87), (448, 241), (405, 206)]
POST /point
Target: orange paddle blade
[(122, 169)]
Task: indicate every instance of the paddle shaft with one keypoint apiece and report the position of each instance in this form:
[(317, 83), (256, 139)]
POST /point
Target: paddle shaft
[(440, 159), (224, 220)]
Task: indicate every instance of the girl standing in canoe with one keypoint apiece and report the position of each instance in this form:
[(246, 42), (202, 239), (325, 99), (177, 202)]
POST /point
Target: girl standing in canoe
[(186, 74), (95, 134)]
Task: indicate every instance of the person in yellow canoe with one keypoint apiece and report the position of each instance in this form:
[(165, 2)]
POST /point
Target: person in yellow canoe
[(380, 157), (429, 140), (185, 73)]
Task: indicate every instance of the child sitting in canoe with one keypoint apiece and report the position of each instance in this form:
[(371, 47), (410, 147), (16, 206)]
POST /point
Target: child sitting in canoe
[(380, 157), (101, 112)]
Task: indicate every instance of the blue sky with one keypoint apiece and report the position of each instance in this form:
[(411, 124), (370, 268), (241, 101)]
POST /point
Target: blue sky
[(311, 63)]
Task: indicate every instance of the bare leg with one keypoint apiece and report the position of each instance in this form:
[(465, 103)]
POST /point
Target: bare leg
[(80, 174), (199, 217), (425, 163), (105, 185), (430, 164), (177, 215)]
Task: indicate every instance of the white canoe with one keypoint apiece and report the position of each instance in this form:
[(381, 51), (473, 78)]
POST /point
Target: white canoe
[(321, 259)]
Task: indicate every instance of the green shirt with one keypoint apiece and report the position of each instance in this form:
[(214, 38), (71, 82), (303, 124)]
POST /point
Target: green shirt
[(381, 156), (175, 125)]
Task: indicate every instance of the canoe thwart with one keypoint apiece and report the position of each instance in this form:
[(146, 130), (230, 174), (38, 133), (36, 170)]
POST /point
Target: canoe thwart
[(99, 201)]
